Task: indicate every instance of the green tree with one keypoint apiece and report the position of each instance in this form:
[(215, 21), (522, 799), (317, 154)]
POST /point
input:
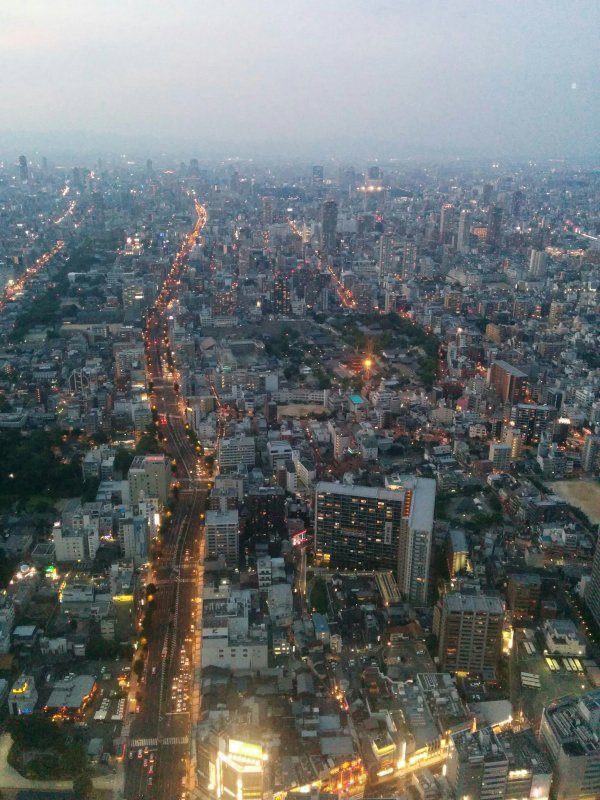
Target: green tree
[(138, 667), (123, 459), (318, 595), (83, 787)]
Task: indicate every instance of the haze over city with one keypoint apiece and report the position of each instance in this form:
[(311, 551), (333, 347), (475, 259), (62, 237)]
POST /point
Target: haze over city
[(299, 400), (377, 79)]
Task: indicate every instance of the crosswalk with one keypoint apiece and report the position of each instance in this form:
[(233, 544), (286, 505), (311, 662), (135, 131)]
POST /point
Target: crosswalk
[(143, 742), (168, 740)]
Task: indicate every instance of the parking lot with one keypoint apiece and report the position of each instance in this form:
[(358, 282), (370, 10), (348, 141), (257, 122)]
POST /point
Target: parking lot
[(555, 678)]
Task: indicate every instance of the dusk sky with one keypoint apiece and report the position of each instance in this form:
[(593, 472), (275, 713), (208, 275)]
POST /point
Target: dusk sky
[(395, 76)]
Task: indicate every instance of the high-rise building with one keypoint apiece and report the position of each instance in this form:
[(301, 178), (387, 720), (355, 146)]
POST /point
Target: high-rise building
[(446, 221), (486, 194), (590, 453), (23, 169), (523, 594), (150, 476), (494, 226), (222, 536), (266, 519), (364, 527), (498, 766), (232, 769), (410, 254), (282, 298), (469, 631), (532, 420), (317, 176), (537, 263), (267, 211), (329, 215), (518, 203), (463, 239), (570, 731), (507, 380), (513, 437), (236, 451), (500, 455), (592, 589), (134, 537), (385, 261)]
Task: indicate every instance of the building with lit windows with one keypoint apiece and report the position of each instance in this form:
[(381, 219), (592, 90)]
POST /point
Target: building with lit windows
[(590, 453), (463, 239), (329, 217), (371, 528), (150, 476), (222, 535), (469, 630), (532, 420), (500, 455), (498, 766), (23, 696), (282, 296), (570, 730), (235, 452), (507, 380)]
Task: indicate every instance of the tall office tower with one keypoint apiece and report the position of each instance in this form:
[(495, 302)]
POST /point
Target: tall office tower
[(507, 380), (150, 476), (469, 631), (282, 296), (266, 513), (518, 203), (222, 536), (494, 226), (317, 176), (590, 453), (540, 236), (537, 263), (410, 254), (194, 168), (23, 169), (329, 215), (267, 211), (375, 174), (446, 221), (570, 731), (365, 527), (463, 239), (486, 194), (149, 167), (77, 179), (385, 262), (532, 420)]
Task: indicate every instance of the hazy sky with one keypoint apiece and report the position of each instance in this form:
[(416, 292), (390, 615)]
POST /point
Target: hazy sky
[(513, 77)]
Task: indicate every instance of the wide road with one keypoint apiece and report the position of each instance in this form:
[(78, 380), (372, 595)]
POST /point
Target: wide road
[(158, 763)]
